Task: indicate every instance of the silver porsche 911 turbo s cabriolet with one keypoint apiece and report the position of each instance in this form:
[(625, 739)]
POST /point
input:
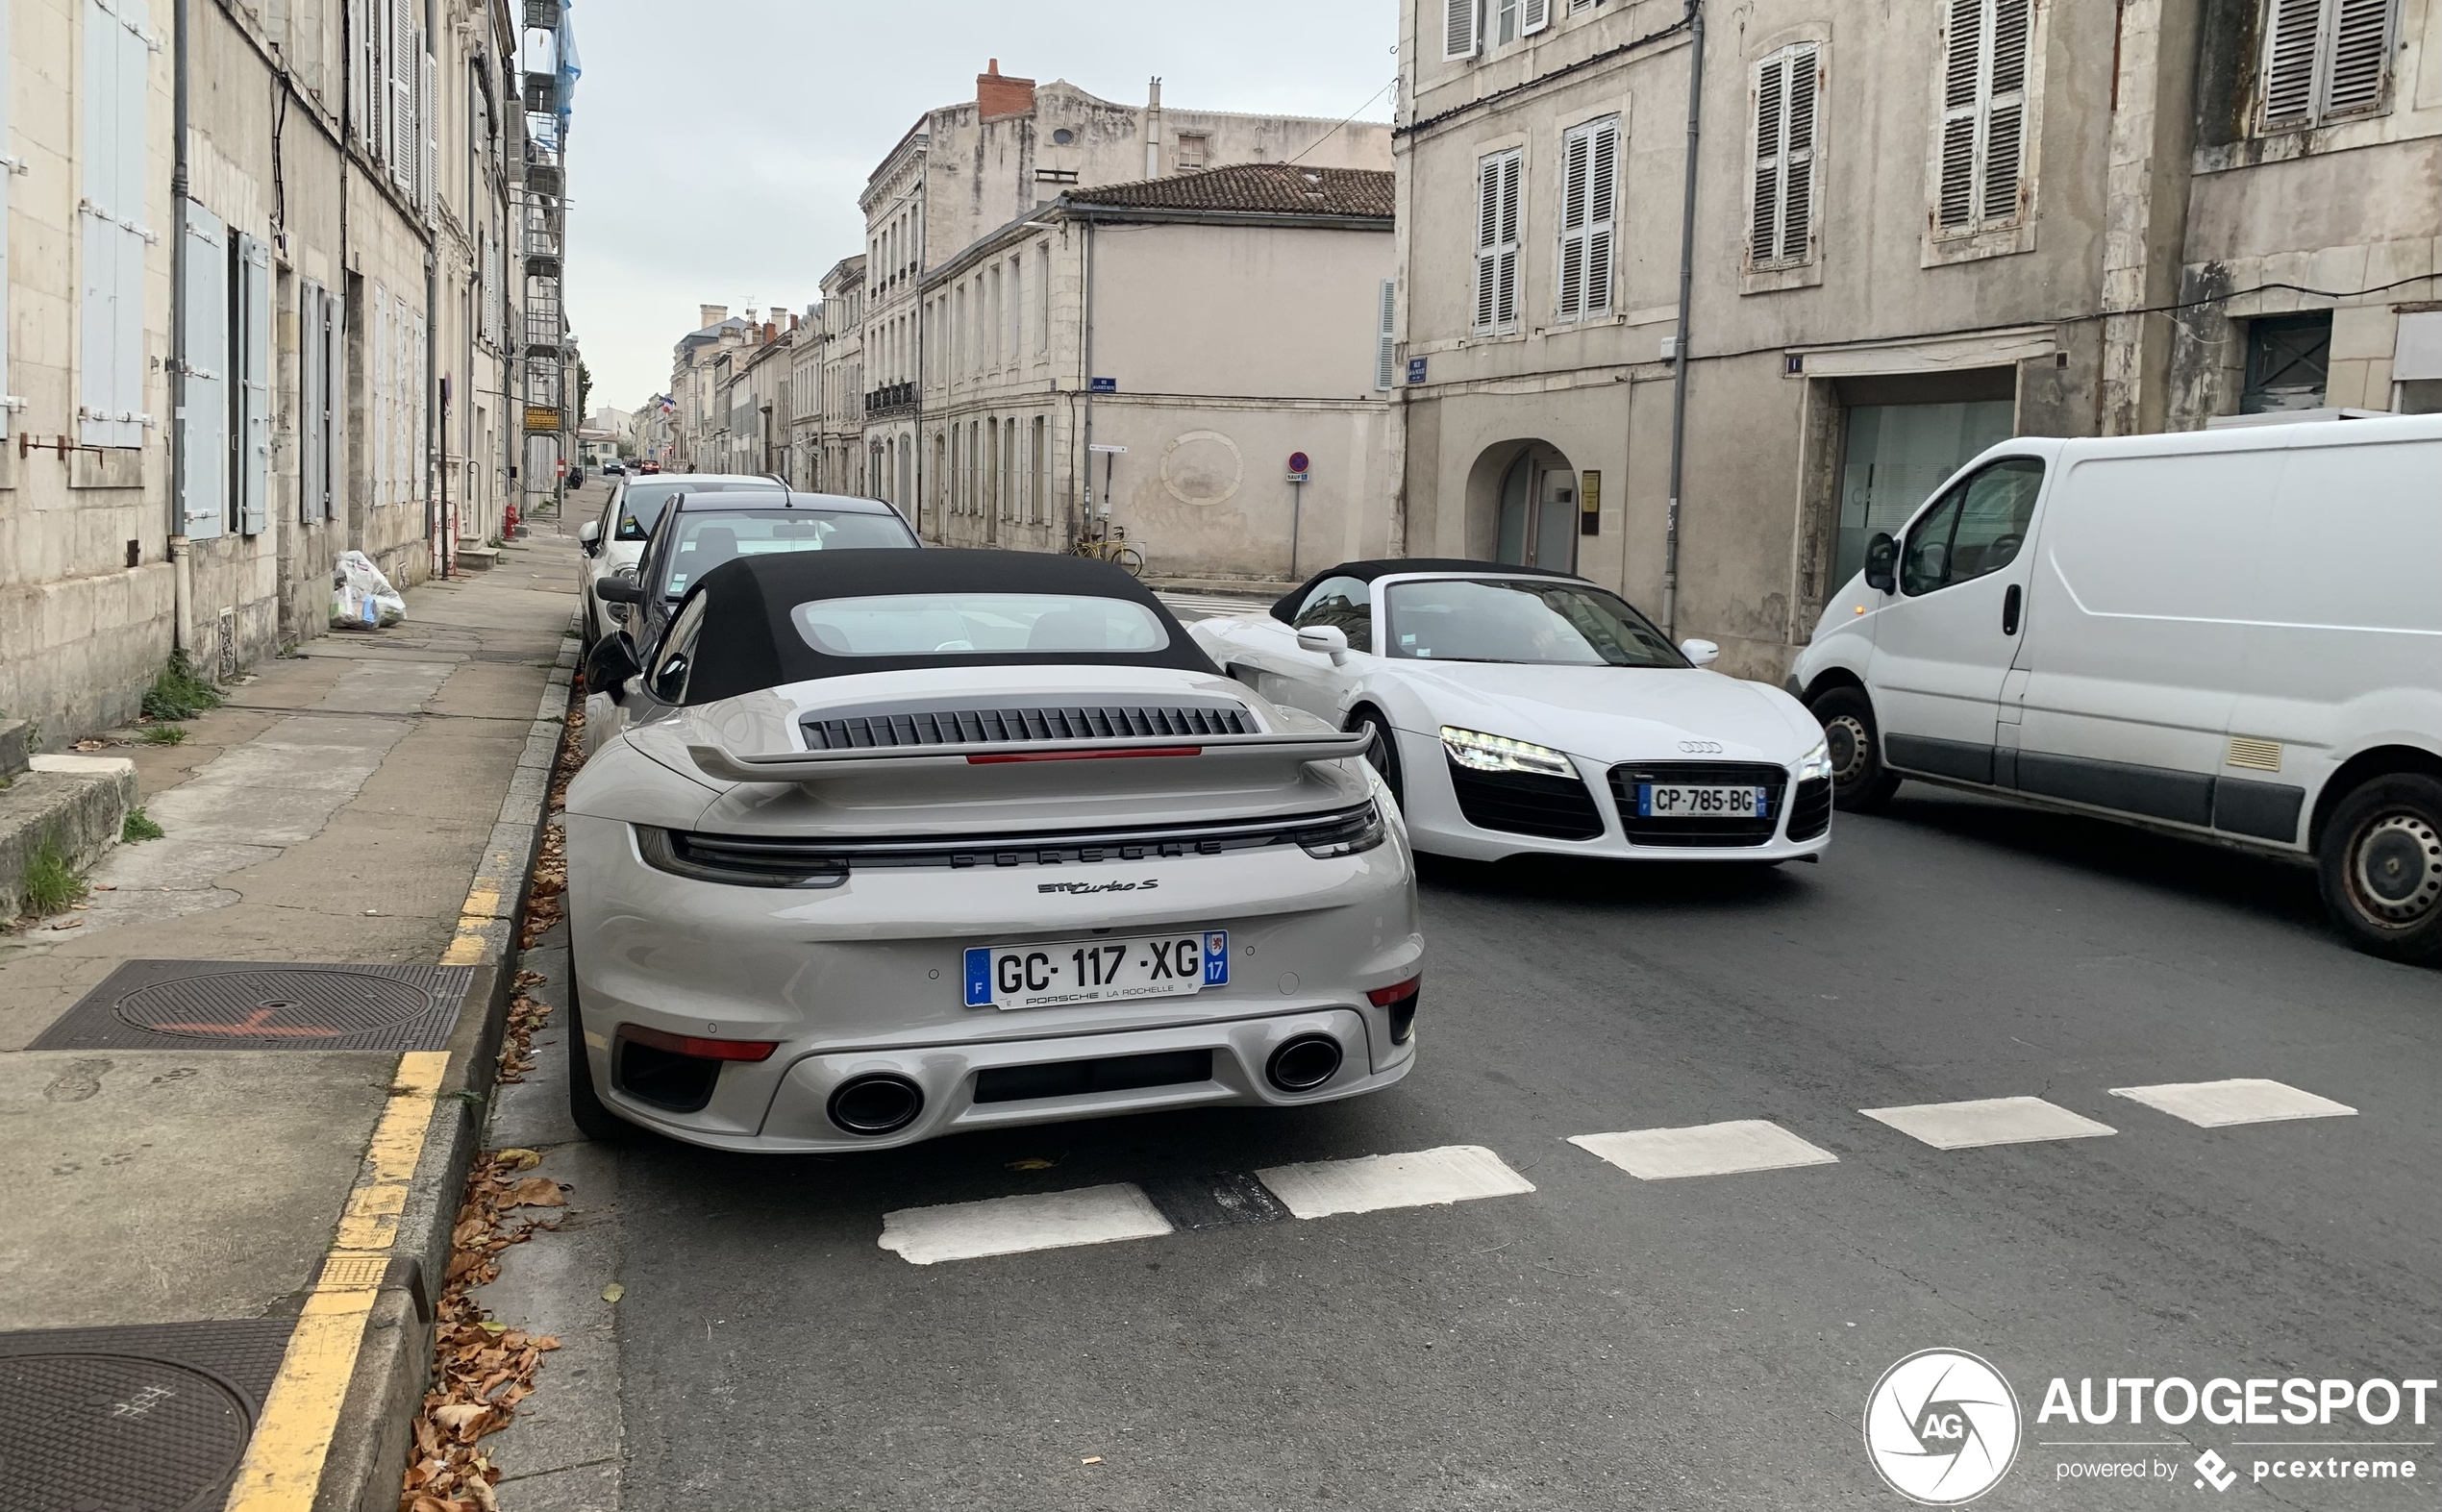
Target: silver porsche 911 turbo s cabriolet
[(894, 844)]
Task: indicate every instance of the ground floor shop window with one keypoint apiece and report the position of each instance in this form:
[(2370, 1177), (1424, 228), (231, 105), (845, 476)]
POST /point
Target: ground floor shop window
[(1893, 458)]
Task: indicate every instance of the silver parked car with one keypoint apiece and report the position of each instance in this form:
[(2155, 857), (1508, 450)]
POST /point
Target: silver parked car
[(900, 843)]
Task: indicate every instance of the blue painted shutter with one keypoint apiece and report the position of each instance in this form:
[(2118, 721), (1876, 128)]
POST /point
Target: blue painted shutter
[(203, 421), (252, 377)]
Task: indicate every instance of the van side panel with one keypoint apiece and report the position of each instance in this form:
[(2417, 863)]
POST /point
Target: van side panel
[(2150, 567), (2344, 648)]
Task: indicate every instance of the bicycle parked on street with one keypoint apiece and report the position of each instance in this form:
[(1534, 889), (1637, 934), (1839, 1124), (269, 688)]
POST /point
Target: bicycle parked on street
[(1111, 547)]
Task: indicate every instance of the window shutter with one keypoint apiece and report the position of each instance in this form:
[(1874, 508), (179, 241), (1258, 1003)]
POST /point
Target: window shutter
[(1796, 213), (400, 114), (2006, 112), (2360, 56), (134, 238), (310, 384), (1459, 39), (1781, 224), (428, 150), (377, 395), (203, 426), (1534, 17), (253, 377), (2289, 62), (335, 403), (1602, 195), (1963, 98), (1506, 304), (97, 375), (1386, 336), (1570, 282), (1488, 239)]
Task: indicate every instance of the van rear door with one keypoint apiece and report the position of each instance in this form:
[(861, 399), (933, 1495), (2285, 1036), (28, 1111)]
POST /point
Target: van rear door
[(2151, 566), (1942, 647)]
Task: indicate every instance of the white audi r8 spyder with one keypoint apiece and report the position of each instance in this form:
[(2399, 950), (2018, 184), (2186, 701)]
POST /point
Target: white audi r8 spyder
[(1520, 709), (902, 843)]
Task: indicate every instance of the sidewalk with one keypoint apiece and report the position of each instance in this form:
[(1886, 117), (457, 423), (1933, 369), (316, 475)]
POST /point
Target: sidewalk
[(229, 1189)]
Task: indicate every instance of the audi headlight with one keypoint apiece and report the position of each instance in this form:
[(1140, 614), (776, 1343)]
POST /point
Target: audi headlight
[(1816, 764), (1473, 748)]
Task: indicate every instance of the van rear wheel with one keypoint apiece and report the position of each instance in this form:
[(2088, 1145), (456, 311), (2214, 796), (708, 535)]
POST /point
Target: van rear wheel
[(1859, 782), (2380, 863)]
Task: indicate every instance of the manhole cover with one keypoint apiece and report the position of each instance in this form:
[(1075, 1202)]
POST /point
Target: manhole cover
[(191, 1005), (115, 1433), (302, 1006)]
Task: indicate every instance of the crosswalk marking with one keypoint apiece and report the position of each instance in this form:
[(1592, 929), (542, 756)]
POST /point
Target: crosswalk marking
[(1666, 1154), (2240, 1099), (1204, 604), (1987, 1121), (1451, 1174), (1017, 1224)]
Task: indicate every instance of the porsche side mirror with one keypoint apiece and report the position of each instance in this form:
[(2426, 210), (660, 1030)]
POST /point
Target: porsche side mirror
[(1324, 640), (1881, 554), (618, 588), (589, 537), (611, 665), (1703, 653)]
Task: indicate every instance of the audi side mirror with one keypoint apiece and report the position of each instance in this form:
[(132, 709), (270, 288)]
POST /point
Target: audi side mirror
[(1881, 555), (618, 588), (1324, 640), (1703, 653), (609, 665)]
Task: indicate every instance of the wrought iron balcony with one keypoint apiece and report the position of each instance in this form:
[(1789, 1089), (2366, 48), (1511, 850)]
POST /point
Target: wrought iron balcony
[(890, 396), (545, 13)]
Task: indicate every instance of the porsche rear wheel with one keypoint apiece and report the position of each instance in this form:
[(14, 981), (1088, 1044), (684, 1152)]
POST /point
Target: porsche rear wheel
[(1859, 782)]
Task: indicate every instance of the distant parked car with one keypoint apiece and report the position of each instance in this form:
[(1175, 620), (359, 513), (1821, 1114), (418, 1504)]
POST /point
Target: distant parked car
[(615, 468), (614, 543), (648, 467), (2225, 634)]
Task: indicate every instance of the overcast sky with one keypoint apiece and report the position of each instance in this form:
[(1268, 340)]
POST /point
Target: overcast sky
[(718, 146)]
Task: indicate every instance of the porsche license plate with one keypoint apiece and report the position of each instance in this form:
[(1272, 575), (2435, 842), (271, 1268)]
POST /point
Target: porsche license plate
[(1096, 971), (1674, 801)]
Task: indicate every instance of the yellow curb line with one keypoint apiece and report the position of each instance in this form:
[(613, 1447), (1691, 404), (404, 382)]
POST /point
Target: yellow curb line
[(282, 1467)]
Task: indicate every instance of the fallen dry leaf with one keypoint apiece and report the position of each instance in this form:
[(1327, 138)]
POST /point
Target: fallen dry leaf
[(536, 1191), (613, 1292), (516, 1159)]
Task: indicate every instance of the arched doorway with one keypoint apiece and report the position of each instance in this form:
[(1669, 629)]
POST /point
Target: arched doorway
[(1536, 510)]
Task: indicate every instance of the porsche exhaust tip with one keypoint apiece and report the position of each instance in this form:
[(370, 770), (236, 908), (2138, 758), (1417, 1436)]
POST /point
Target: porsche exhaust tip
[(1303, 1063), (879, 1104)]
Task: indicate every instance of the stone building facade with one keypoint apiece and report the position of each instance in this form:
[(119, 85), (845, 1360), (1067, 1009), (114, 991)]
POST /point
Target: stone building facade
[(228, 346), (1915, 232)]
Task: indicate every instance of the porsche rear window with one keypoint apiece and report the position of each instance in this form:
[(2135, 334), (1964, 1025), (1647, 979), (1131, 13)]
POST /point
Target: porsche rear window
[(952, 625)]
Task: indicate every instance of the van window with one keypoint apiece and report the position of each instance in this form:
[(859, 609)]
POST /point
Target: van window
[(1978, 527)]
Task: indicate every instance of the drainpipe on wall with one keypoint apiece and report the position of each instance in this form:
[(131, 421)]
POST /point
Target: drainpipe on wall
[(181, 574), (1679, 342), (1086, 302), (434, 416)]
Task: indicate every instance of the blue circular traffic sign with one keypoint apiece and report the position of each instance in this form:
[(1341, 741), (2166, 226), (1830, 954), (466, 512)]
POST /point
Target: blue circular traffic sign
[(1297, 461)]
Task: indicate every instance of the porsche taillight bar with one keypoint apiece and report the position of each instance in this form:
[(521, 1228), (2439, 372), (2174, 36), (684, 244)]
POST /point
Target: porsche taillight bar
[(809, 766)]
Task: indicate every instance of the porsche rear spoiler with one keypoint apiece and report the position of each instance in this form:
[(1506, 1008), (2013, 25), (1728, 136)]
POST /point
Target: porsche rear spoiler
[(812, 766)]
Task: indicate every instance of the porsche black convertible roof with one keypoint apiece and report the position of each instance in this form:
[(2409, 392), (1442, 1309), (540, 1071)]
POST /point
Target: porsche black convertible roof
[(1367, 571), (750, 643)]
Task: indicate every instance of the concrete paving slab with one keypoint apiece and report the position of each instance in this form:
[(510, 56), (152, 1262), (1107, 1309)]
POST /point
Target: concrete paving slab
[(151, 1187)]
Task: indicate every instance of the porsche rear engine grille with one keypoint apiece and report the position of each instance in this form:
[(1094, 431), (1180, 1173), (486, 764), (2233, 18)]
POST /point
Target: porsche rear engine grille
[(951, 727)]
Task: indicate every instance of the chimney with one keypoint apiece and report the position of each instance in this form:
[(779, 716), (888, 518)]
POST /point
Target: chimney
[(1153, 128), (792, 320), (771, 332), (999, 96), (710, 315)]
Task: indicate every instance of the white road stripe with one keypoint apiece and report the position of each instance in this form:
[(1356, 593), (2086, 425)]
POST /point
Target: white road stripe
[(2241, 1099), (1017, 1224), (1988, 1121), (1451, 1174), (1666, 1154)]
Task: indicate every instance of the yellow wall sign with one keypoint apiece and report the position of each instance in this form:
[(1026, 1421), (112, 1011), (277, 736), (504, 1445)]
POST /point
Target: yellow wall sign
[(541, 417)]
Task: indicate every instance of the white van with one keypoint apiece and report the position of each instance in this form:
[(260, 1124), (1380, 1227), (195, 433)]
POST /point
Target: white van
[(2233, 635)]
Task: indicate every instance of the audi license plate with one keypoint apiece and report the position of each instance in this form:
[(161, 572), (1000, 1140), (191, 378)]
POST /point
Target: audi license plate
[(1674, 801), (1096, 971)]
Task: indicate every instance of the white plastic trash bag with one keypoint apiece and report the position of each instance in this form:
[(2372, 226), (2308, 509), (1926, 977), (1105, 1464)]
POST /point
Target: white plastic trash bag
[(361, 596)]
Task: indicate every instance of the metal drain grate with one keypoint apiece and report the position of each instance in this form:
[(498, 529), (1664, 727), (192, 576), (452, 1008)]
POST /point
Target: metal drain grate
[(150, 1418), (156, 1005)]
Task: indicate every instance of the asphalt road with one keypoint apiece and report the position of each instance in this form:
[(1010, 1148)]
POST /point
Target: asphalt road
[(1605, 1341)]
